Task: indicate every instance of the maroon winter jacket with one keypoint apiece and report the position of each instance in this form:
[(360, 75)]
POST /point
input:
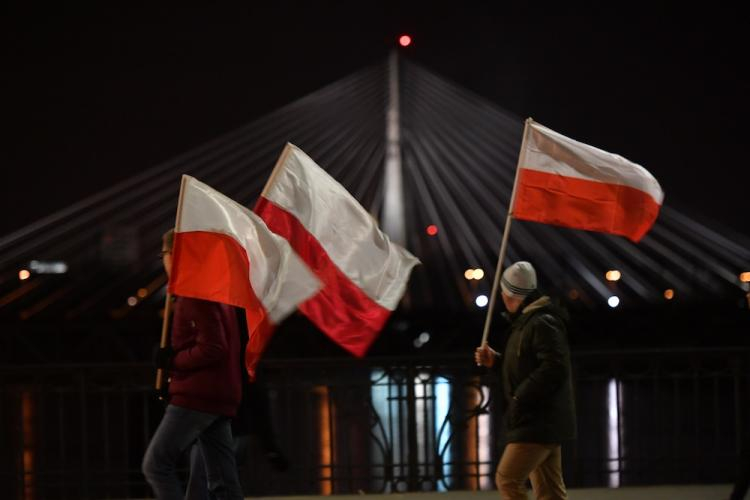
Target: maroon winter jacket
[(206, 368)]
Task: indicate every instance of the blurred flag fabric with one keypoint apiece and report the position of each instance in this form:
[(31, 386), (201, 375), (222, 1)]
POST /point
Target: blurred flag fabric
[(568, 183), (364, 274), (223, 252)]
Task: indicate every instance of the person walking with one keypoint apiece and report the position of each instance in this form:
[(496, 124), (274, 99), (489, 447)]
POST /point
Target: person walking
[(537, 384), (203, 361)]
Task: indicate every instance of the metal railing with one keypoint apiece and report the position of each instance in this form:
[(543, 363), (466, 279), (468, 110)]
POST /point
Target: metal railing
[(382, 425)]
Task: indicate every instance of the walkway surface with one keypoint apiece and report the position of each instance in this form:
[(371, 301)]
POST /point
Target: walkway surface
[(689, 492)]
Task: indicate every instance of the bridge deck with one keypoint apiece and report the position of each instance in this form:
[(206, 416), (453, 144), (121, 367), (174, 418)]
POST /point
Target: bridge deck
[(667, 492)]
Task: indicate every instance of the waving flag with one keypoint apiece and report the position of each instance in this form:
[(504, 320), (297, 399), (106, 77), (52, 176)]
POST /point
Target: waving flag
[(225, 253), (568, 183), (364, 274)]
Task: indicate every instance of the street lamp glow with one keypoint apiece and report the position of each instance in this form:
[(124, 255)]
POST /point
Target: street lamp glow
[(669, 294), (469, 274), (478, 274), (745, 277), (481, 301), (613, 275), (132, 301), (613, 301), (24, 274)]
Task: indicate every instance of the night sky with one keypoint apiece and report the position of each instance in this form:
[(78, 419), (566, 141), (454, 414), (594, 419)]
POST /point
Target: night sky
[(91, 97)]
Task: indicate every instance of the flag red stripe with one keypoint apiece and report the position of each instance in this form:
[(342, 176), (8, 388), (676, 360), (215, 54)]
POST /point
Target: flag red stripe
[(211, 266), (214, 266), (341, 309), (583, 204)]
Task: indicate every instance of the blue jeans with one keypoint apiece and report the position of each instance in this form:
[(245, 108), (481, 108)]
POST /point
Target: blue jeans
[(197, 488), (178, 430)]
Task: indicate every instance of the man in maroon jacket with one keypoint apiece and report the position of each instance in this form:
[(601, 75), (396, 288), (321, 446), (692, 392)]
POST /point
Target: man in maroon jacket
[(204, 393)]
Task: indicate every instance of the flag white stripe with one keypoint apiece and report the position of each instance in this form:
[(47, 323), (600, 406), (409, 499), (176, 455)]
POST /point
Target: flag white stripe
[(551, 152), (345, 230), (278, 276)]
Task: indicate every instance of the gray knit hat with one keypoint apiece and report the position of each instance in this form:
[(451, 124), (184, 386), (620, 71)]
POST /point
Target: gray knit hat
[(519, 280)]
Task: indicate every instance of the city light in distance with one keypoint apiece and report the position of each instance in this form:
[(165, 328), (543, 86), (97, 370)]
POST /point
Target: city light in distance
[(474, 274), (613, 275), (432, 230), (481, 301), (48, 267), (132, 301), (613, 301), (142, 292), (423, 338), (404, 40), (24, 274)]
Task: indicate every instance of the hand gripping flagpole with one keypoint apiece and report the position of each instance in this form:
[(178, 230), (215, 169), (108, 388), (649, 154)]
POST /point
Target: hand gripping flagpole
[(168, 299), (506, 233)]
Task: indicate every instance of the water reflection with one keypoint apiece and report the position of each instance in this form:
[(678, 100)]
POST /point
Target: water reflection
[(431, 465), (442, 424), (430, 437), (615, 431)]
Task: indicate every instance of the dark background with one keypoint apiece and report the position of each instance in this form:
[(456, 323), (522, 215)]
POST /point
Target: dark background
[(92, 96)]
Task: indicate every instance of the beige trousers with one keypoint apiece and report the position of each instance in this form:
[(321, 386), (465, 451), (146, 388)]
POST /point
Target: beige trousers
[(541, 463)]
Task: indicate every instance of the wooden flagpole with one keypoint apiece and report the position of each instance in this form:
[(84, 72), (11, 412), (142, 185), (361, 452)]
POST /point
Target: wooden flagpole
[(506, 234), (277, 168), (168, 299)]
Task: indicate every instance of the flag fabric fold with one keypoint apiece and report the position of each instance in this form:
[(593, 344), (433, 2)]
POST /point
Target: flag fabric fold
[(364, 274), (568, 183), (223, 252)]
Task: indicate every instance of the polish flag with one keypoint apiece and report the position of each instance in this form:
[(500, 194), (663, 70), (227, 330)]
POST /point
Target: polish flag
[(223, 252), (567, 183), (364, 274)]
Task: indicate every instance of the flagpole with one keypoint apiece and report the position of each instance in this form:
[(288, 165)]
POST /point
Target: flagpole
[(163, 342), (168, 299), (506, 234), (276, 168)]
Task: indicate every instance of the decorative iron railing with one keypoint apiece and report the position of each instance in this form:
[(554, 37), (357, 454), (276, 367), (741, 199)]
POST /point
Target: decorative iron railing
[(382, 425)]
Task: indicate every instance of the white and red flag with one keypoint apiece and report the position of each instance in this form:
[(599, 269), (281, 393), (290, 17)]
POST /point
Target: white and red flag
[(567, 183), (223, 252), (364, 274)]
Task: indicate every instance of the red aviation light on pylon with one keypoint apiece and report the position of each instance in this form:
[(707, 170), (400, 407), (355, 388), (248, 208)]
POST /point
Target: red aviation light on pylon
[(404, 40)]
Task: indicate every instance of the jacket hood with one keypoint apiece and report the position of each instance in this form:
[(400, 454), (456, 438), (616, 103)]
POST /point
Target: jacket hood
[(542, 303)]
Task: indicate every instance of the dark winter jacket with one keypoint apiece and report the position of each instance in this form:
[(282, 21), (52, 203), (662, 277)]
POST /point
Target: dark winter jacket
[(205, 373), (536, 375)]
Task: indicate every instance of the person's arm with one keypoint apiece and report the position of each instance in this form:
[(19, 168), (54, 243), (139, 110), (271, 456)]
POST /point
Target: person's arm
[(210, 338), (551, 348)]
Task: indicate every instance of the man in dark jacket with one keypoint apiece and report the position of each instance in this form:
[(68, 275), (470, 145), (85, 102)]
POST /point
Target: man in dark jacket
[(204, 392), (536, 374)]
